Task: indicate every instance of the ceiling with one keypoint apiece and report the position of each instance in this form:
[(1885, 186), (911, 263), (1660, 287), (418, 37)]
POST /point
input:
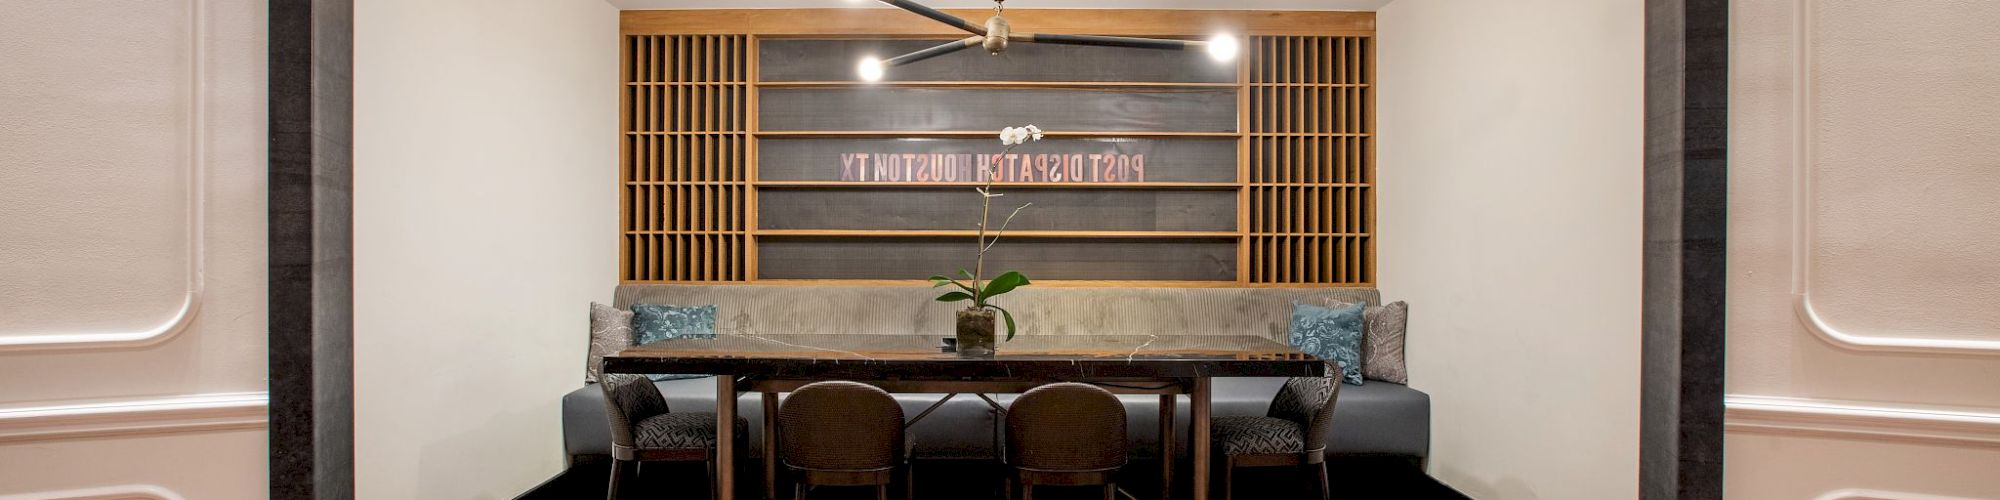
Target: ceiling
[(1363, 5)]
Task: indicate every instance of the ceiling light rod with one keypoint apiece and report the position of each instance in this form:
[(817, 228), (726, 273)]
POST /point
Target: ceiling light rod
[(995, 35)]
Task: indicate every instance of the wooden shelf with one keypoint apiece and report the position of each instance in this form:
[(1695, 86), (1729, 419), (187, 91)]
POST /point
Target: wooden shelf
[(1312, 85), (966, 233), (685, 183), (688, 232), (1061, 283), (996, 84), (1010, 185), (977, 133)]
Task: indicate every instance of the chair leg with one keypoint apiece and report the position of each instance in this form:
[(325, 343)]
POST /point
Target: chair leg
[(1007, 485), (714, 486), (617, 473), (1325, 492), (910, 482), (1110, 491), (799, 491)]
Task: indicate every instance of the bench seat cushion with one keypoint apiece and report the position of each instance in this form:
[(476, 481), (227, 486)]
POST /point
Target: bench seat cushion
[(1378, 418)]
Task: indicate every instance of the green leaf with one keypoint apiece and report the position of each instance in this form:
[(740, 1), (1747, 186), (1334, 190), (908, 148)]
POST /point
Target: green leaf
[(1007, 316), (954, 297), (1003, 284), (938, 281), (965, 273)]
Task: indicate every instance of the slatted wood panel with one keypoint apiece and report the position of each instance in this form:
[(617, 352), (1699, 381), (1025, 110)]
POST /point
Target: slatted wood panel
[(1303, 177), (685, 151), (1311, 161)]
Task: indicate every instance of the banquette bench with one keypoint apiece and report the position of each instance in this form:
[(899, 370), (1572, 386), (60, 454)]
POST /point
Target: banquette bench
[(1377, 418)]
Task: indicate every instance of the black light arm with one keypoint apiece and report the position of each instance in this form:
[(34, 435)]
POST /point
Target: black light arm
[(946, 48), (1106, 41), (937, 15)]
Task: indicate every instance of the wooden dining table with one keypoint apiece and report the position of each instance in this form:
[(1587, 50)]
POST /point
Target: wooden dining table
[(1162, 365)]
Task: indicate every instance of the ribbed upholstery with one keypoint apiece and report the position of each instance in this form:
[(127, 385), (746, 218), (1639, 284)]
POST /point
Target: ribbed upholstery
[(892, 310), (1066, 427), (841, 426)]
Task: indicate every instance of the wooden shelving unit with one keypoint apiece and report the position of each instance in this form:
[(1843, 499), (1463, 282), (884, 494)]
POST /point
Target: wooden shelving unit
[(1303, 179)]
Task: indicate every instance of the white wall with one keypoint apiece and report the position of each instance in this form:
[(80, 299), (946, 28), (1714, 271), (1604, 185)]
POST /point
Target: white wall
[(1863, 166), (1510, 198), (485, 214), (132, 249)]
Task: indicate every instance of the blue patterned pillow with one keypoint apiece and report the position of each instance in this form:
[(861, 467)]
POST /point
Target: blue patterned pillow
[(1332, 334), (655, 322)]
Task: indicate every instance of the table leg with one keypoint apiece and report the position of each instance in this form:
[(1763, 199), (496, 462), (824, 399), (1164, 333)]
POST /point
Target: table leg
[(1167, 446), (771, 445), (1198, 401), (725, 437)]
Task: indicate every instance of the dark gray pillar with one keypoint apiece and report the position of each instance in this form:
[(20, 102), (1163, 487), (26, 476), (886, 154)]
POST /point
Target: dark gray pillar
[(311, 258), (1687, 195)]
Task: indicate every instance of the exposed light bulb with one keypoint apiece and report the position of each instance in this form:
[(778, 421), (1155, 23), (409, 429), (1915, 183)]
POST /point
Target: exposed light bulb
[(1222, 47), (870, 69)]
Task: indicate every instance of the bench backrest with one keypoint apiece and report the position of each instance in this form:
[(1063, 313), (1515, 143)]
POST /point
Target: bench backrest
[(815, 309)]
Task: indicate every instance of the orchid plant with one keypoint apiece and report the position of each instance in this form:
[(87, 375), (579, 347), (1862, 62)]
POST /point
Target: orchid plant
[(977, 292)]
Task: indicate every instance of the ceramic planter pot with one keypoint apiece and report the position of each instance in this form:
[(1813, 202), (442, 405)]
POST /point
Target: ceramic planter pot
[(975, 332)]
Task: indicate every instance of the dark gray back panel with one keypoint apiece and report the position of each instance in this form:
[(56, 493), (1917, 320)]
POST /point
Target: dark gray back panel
[(958, 208), (1120, 109), (835, 60), (1039, 259)]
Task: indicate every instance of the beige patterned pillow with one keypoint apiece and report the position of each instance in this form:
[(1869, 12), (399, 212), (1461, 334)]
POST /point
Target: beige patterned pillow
[(1382, 335), (610, 332)]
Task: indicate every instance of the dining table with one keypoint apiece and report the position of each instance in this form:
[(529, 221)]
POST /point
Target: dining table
[(1167, 366)]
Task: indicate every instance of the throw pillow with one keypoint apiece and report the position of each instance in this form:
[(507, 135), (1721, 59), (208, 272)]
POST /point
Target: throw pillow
[(610, 332), (1382, 342), (655, 322), (1332, 334)]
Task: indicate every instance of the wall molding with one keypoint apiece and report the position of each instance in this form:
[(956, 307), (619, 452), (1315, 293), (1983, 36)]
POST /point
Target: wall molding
[(121, 492), (1841, 419), (1802, 166), (196, 164), (1868, 494), (136, 417)]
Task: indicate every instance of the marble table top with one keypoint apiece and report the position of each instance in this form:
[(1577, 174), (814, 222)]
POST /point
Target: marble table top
[(918, 357)]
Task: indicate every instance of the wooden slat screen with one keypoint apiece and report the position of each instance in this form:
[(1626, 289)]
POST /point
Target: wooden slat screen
[(1296, 211), (686, 159), (1311, 161)]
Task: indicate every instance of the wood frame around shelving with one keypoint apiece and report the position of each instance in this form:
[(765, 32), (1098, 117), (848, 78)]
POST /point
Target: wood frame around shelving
[(689, 184)]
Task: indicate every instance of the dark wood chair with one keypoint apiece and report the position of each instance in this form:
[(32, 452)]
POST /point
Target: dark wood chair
[(643, 430), (1292, 433), (1065, 434), (844, 434)]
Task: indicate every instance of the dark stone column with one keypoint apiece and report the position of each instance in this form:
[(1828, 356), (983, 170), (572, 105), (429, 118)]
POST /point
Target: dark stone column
[(311, 256), (1687, 195)]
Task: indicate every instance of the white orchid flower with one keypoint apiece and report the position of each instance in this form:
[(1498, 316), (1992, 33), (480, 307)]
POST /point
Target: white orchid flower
[(1010, 136), (1034, 131)]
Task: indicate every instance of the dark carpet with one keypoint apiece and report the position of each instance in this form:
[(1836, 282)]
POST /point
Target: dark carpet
[(1352, 478)]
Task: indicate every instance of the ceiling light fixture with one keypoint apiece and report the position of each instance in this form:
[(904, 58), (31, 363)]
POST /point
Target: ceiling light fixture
[(996, 34)]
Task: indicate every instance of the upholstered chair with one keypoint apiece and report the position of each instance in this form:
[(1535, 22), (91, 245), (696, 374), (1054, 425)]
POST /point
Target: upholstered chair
[(1292, 433), (1065, 434), (643, 430), (840, 433)]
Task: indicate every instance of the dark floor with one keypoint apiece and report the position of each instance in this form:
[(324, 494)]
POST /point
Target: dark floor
[(1351, 478)]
